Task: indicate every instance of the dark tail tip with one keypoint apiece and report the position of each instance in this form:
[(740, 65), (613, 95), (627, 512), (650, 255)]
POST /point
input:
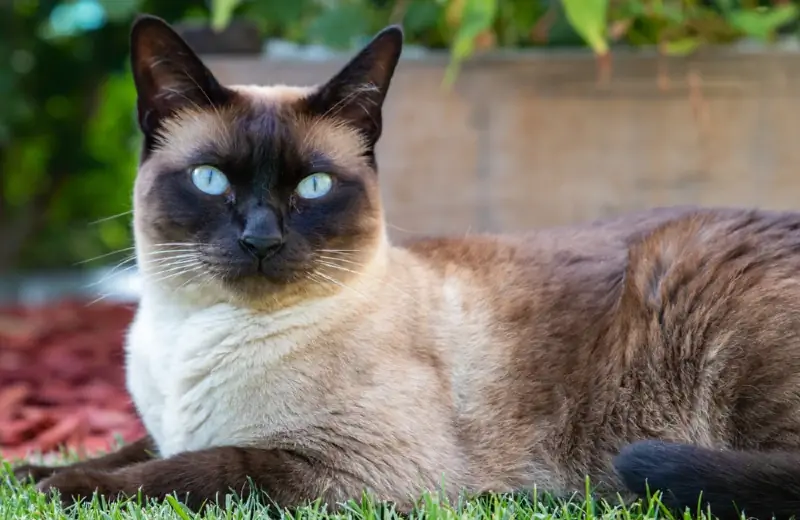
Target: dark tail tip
[(730, 482), (651, 463)]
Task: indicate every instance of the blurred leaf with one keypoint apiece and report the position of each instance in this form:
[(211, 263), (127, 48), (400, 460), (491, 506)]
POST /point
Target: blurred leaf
[(276, 13), (340, 25), (762, 23), (588, 17), (519, 23), (681, 47), (454, 12), (724, 5), (421, 15), (477, 17), (222, 12), (120, 10), (29, 156), (669, 12), (619, 28)]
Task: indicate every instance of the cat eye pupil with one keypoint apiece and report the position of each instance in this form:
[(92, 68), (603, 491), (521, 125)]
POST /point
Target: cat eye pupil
[(210, 180), (314, 186)]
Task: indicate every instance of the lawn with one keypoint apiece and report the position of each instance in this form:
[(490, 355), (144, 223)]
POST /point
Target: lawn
[(19, 501)]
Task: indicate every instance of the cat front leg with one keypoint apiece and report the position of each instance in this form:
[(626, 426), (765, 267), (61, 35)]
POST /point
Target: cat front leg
[(140, 451), (287, 478)]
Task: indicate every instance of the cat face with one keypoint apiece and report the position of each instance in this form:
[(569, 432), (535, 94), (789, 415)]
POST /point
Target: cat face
[(256, 189)]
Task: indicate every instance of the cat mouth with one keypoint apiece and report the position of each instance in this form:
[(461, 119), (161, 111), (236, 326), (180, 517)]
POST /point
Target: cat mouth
[(266, 271)]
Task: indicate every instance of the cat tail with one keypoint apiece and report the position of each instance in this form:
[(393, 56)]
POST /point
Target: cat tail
[(758, 484)]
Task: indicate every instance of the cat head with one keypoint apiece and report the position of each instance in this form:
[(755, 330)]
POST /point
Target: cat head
[(256, 191)]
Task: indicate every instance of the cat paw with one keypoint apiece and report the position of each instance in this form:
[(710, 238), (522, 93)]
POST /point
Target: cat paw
[(27, 473), (80, 485)]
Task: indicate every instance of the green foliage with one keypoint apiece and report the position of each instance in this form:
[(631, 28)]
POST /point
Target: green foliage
[(762, 24), (67, 130), (68, 142), (476, 18), (589, 18), (221, 13), (469, 26)]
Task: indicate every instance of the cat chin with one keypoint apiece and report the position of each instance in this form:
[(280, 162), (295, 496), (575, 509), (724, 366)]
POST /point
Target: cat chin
[(252, 291)]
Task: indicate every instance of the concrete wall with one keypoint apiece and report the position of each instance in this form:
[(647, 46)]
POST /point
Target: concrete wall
[(528, 140)]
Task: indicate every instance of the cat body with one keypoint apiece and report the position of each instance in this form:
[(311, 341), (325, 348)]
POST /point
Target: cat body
[(283, 344), (503, 362)]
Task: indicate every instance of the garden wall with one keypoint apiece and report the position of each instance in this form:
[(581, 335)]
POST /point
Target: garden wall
[(532, 140)]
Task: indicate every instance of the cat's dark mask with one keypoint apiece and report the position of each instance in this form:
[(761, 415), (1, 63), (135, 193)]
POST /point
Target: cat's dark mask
[(256, 187)]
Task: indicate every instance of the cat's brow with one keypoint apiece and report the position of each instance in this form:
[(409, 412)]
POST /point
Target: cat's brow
[(208, 156), (320, 162)]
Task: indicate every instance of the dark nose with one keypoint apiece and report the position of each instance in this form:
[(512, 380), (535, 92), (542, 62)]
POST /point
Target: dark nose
[(261, 246)]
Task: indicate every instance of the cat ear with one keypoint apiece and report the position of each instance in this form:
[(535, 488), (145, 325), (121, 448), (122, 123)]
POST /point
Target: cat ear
[(356, 94), (167, 73)]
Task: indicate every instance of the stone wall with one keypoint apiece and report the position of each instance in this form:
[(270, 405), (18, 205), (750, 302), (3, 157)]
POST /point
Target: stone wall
[(534, 140)]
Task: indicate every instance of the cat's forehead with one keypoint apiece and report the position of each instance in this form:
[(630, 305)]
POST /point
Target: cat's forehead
[(268, 118)]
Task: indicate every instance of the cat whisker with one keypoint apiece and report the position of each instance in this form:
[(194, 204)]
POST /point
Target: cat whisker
[(168, 251), (169, 263), (160, 244), (340, 284), (174, 270), (405, 230), (98, 299), (212, 278), (166, 259), (361, 273), (172, 266), (192, 279), (169, 259), (104, 255), (111, 217), (111, 275), (115, 271), (154, 252), (180, 272), (345, 260), (162, 262)]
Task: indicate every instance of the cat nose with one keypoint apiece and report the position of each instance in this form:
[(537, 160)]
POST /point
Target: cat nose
[(261, 246)]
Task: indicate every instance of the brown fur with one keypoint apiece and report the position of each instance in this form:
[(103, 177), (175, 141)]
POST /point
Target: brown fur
[(496, 363)]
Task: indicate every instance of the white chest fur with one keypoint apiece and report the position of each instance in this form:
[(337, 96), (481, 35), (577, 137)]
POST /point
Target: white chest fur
[(203, 377)]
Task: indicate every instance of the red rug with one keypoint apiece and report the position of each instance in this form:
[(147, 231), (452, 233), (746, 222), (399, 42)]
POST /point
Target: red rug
[(62, 378)]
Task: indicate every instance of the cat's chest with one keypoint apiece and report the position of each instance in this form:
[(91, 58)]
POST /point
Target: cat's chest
[(209, 378)]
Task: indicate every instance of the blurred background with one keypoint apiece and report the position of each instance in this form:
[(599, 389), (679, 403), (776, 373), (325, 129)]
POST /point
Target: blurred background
[(504, 115)]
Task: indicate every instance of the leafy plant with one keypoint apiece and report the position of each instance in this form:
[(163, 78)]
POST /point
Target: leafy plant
[(67, 134), (466, 27), (474, 19)]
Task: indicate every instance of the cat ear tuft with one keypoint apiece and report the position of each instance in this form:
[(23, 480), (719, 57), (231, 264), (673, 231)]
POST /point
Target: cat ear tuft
[(357, 92), (167, 73)]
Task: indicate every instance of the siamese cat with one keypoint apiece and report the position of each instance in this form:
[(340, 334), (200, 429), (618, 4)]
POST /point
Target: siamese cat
[(283, 345)]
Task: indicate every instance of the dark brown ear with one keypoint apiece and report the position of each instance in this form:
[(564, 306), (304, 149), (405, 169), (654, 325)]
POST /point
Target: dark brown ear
[(356, 94), (167, 73)]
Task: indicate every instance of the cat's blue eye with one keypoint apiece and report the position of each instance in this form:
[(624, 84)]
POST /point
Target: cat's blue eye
[(210, 180), (315, 185)]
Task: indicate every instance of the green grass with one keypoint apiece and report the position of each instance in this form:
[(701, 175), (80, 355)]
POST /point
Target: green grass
[(18, 501)]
